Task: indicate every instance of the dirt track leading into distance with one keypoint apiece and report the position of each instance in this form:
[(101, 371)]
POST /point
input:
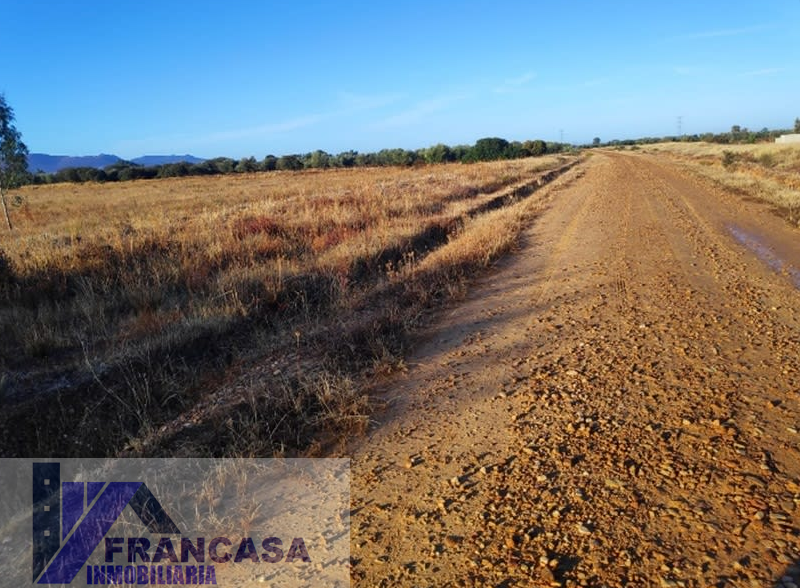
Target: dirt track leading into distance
[(614, 404)]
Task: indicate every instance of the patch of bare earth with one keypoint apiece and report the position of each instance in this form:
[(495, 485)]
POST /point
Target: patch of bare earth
[(615, 405)]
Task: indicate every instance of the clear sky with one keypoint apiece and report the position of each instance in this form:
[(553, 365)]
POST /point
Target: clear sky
[(252, 78)]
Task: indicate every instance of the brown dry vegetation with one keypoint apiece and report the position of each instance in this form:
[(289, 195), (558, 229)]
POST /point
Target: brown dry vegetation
[(767, 171), (124, 304)]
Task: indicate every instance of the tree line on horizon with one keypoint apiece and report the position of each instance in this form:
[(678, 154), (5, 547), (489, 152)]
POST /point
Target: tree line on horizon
[(737, 135), (486, 149)]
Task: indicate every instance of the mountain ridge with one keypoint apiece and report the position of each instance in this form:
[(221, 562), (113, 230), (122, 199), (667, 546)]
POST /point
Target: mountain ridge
[(52, 163)]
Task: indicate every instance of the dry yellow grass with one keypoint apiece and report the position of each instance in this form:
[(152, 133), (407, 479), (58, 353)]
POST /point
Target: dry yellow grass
[(129, 301), (767, 171)]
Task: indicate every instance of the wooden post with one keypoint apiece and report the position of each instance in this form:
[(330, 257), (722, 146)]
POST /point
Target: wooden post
[(5, 208)]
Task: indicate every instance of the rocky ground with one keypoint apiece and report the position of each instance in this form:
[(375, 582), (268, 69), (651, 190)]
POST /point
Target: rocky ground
[(616, 404)]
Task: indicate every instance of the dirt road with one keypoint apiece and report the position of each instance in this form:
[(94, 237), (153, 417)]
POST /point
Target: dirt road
[(615, 404)]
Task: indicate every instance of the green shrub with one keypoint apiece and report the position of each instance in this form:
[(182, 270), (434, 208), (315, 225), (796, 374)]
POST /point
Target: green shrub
[(767, 160), (728, 159)]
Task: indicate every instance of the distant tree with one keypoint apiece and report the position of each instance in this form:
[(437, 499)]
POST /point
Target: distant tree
[(13, 155), (289, 162), (246, 165), (515, 150), (269, 163), (222, 165), (439, 153), (460, 152), (137, 172), (554, 147), (366, 159), (797, 125), (203, 168), (118, 171), (90, 174), (396, 156), (723, 138), (40, 178), (596, 142), (535, 148), (68, 174), (112, 173), (346, 159), (489, 149), (318, 159), (174, 170)]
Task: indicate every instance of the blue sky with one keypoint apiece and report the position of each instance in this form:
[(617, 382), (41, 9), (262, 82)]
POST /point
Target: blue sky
[(259, 77)]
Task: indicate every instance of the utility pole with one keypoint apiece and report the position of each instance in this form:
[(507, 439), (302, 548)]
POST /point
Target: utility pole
[(680, 127), (561, 135)]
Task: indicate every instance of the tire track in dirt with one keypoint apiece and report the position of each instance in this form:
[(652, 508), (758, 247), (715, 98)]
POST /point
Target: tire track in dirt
[(616, 405), (453, 378)]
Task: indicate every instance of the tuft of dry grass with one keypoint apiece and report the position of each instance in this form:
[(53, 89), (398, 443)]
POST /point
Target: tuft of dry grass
[(126, 306), (768, 171)]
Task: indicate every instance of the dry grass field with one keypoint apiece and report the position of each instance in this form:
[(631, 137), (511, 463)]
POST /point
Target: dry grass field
[(124, 304), (767, 171)]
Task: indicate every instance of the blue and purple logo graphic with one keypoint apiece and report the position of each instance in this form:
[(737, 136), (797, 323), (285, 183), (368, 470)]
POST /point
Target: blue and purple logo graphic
[(70, 519)]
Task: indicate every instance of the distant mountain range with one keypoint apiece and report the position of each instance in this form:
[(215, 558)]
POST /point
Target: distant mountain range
[(162, 159), (52, 163)]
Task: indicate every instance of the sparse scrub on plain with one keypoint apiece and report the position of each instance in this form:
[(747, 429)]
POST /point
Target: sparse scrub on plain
[(124, 304), (767, 171)]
